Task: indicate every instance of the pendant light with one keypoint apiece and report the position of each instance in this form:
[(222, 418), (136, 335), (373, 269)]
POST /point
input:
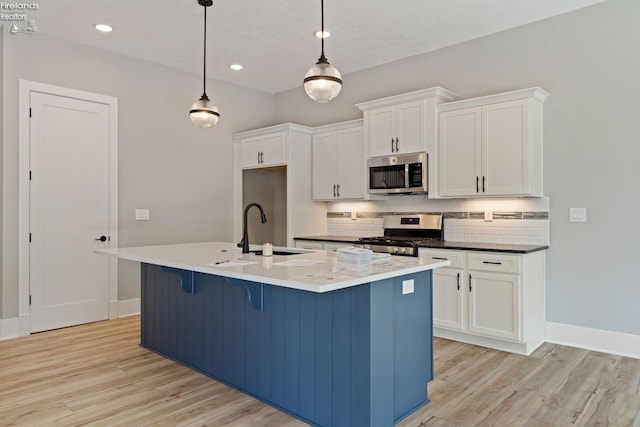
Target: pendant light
[(203, 113), (323, 81)]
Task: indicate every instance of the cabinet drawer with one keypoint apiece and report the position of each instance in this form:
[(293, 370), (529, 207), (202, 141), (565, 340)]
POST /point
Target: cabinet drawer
[(458, 259), (501, 263)]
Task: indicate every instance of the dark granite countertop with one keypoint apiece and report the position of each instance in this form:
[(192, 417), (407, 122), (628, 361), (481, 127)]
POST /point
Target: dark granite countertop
[(493, 247), (337, 239), (434, 244)]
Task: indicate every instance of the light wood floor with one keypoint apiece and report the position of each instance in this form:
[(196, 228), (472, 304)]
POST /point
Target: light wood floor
[(97, 375)]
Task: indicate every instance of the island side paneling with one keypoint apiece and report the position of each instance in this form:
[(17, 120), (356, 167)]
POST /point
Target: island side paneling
[(356, 356)]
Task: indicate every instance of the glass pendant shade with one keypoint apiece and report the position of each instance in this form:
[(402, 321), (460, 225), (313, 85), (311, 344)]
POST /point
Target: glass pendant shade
[(203, 113), (322, 82)]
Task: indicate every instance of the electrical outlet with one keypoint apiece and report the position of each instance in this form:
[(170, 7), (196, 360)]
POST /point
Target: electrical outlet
[(407, 286), (353, 215), (577, 214), (142, 215), (488, 216)]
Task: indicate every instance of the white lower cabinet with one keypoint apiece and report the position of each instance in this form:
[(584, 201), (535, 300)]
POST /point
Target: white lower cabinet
[(320, 245), (494, 305), (491, 299)]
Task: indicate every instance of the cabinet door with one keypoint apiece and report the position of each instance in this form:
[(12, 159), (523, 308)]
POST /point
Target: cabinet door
[(351, 166), (494, 305), (448, 293), (250, 149), (324, 169), (505, 148), (459, 152), (273, 149), (410, 128), (308, 244), (381, 132)]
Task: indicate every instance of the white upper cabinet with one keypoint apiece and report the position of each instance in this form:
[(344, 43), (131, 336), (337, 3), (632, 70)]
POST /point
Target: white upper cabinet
[(399, 129), (491, 146), (263, 150), (339, 162), (287, 147), (404, 123)]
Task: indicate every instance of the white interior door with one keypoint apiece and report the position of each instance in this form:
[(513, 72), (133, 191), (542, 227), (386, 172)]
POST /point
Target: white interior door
[(69, 209)]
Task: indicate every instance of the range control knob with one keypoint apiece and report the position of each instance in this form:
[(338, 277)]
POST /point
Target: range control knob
[(403, 250), (395, 250)]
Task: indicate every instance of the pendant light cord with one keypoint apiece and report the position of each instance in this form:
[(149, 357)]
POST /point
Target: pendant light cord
[(322, 57), (204, 55)]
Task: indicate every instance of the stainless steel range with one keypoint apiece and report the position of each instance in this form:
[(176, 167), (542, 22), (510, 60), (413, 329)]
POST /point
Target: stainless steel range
[(404, 233)]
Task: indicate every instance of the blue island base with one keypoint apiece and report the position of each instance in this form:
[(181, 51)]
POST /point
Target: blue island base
[(360, 356)]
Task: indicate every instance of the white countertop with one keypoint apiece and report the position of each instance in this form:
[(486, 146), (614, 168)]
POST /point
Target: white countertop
[(323, 274)]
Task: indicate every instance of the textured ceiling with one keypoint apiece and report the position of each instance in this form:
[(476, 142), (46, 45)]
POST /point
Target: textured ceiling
[(274, 39)]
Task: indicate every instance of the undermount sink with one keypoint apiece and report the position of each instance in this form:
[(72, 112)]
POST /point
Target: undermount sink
[(280, 252)]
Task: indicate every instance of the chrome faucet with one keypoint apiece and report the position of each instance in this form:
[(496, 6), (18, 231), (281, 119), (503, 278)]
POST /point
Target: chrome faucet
[(245, 231)]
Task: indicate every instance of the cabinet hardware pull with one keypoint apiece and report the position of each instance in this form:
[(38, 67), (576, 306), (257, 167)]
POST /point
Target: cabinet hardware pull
[(392, 149), (492, 262), (338, 187), (483, 179), (477, 184), (437, 257), (397, 149), (258, 157), (470, 286), (458, 281), (334, 190)]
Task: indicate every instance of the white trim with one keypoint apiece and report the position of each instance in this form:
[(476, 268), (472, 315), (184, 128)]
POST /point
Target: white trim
[(619, 343), (535, 92), (9, 328), (130, 307), (440, 93), (25, 87)]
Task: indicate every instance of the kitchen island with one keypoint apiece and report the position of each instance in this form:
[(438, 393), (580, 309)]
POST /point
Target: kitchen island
[(331, 343)]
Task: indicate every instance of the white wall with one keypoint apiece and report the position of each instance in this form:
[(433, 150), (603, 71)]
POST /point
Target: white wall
[(588, 61), (183, 174)]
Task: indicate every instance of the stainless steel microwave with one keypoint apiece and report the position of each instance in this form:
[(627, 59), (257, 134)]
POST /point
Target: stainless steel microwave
[(400, 174)]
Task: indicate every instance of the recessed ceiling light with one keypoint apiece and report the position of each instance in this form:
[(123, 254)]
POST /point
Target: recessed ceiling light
[(236, 67), (321, 35), (104, 28)]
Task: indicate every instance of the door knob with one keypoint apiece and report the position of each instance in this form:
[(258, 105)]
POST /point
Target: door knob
[(101, 239)]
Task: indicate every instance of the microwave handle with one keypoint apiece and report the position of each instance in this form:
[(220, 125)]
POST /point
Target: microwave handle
[(406, 175)]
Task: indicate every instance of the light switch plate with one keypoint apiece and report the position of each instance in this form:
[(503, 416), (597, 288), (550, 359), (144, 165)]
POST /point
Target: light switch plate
[(142, 214), (407, 286), (577, 214)]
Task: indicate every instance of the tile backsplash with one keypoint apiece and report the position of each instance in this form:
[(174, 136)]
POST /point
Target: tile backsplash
[(515, 221)]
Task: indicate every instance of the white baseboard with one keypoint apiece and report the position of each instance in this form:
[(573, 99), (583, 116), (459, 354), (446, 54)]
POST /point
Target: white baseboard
[(9, 328), (129, 307), (593, 339)]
